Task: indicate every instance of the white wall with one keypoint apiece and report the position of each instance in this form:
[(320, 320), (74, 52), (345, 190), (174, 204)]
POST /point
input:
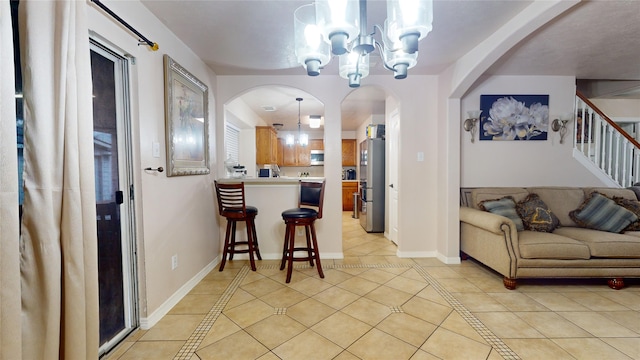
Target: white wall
[(523, 163), (173, 215)]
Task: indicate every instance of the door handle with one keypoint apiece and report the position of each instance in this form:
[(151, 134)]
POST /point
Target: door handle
[(119, 197)]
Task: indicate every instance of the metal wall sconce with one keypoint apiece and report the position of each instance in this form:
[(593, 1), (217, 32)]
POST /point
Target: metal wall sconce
[(470, 124), (560, 125)]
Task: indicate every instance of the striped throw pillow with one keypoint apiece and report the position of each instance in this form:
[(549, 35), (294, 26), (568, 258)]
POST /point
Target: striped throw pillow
[(505, 207), (601, 213)]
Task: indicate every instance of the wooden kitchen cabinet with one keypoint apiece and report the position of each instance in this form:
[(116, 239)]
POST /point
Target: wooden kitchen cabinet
[(296, 155), (349, 149), (348, 188), (266, 145), (316, 144), (280, 158)]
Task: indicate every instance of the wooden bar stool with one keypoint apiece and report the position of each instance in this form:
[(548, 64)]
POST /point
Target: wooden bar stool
[(311, 196), (231, 205)]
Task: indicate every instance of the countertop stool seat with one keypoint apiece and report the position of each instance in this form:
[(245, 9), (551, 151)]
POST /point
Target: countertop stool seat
[(231, 205), (308, 211)]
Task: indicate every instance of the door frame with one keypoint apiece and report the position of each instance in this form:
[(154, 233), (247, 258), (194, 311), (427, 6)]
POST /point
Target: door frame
[(126, 181)]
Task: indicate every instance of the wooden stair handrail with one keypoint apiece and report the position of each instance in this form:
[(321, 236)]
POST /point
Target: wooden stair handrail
[(606, 118)]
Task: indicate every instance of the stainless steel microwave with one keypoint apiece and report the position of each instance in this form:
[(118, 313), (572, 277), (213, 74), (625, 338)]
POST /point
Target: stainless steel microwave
[(317, 157)]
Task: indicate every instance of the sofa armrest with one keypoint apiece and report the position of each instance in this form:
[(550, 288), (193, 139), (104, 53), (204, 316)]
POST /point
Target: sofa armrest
[(491, 239), (486, 220)]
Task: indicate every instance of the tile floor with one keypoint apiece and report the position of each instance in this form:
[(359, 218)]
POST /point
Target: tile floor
[(374, 305)]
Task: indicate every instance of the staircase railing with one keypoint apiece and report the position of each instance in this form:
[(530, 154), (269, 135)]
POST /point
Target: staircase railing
[(597, 139)]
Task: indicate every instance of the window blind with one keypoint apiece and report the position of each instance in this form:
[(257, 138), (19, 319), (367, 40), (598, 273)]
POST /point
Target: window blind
[(232, 143)]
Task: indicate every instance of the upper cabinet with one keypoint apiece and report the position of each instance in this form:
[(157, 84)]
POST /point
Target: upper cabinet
[(349, 148), (316, 144), (266, 145), (296, 155)]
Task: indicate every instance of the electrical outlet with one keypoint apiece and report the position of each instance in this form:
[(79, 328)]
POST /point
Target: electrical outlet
[(299, 231), (174, 262), (156, 149)]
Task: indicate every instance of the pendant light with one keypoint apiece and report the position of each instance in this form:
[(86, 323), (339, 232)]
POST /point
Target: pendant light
[(302, 139)]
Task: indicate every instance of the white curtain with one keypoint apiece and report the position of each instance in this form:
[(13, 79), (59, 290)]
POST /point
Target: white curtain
[(59, 242), (10, 344)]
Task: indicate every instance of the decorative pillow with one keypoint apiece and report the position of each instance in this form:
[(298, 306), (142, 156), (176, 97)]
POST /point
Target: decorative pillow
[(505, 207), (536, 215), (601, 213), (634, 207)]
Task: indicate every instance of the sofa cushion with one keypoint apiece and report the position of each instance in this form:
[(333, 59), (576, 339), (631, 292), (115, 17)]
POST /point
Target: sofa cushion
[(506, 207), (540, 245), (481, 194), (634, 207), (605, 244), (536, 215), (601, 213), (611, 192), (561, 200)]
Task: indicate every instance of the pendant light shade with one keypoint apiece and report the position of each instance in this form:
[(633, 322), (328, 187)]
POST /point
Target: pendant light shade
[(302, 139), (311, 49), (339, 22)]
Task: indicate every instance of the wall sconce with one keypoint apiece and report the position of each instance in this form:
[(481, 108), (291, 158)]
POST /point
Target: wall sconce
[(470, 123), (560, 125)]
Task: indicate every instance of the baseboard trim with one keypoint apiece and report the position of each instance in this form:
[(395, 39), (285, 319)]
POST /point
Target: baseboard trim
[(148, 322)]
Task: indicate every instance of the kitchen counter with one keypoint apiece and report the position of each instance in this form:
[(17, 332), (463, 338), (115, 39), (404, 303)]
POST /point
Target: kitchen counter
[(271, 196), (271, 180)]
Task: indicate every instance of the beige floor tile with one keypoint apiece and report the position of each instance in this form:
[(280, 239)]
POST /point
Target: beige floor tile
[(427, 262), (284, 297), (594, 301), (458, 285), (173, 327), (427, 310), (552, 325), (152, 350), (448, 345), (252, 276), (515, 301), (443, 272), (590, 348), (358, 285), (210, 287), (310, 286), (430, 293), (627, 298), (628, 346), (507, 325), (348, 260), (407, 285), (261, 287), (239, 346), (249, 313), (373, 259), (597, 324), (308, 345), (336, 297), (628, 319), (345, 355), (334, 276), (479, 302), (407, 328), (455, 323), (309, 312), (556, 302), (222, 328), (377, 275), (118, 351), (275, 330), (377, 344), (389, 296), (267, 356), (341, 329), (195, 304), (541, 349), (423, 355), (239, 297), (368, 311)]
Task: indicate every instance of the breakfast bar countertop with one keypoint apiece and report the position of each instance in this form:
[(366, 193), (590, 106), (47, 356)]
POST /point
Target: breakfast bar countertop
[(270, 180)]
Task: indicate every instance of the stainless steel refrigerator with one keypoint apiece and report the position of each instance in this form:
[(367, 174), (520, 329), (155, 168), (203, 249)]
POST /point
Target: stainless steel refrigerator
[(372, 187)]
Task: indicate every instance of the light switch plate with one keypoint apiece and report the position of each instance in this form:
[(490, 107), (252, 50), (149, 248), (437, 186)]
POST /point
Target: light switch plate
[(156, 149), (420, 156)]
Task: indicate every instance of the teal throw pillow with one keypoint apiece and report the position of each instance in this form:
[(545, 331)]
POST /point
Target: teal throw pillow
[(536, 215), (505, 207), (634, 207), (601, 213)]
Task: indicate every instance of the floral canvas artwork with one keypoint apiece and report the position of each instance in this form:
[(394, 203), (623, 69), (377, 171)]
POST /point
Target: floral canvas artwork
[(514, 117)]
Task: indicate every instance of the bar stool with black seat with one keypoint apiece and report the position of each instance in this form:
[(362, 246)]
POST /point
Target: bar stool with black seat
[(308, 211), (231, 205)]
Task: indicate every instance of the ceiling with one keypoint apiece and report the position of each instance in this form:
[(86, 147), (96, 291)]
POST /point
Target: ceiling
[(595, 41)]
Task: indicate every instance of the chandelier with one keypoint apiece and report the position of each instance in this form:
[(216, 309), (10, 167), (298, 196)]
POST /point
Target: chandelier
[(339, 27), (303, 139)]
